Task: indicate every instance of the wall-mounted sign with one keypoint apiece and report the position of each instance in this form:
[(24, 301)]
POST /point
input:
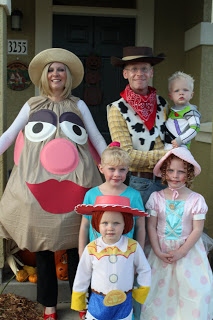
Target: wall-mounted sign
[(17, 76), (17, 47)]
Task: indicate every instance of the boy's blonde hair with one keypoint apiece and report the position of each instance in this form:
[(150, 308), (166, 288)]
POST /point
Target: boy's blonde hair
[(115, 156), (44, 88), (181, 75)]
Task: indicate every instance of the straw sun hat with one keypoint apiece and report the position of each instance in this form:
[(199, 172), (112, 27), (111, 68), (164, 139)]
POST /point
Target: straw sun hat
[(137, 54), (110, 203), (182, 153), (56, 55)]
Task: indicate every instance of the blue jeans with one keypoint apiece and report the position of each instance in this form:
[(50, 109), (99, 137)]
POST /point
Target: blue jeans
[(145, 186)]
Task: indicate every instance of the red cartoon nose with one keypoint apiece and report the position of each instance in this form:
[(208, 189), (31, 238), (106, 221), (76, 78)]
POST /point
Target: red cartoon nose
[(59, 156)]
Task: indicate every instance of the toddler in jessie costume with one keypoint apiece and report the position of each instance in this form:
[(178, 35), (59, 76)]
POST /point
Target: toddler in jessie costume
[(110, 262)]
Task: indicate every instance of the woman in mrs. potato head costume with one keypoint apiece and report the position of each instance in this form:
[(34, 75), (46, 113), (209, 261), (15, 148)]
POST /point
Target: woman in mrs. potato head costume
[(53, 169)]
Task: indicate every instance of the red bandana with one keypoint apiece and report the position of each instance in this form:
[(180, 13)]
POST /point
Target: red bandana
[(144, 106)]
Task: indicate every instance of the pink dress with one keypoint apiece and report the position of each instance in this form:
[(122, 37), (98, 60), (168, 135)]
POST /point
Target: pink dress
[(182, 290)]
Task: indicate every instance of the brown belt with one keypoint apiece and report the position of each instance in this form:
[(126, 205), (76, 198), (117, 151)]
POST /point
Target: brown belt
[(146, 175), (102, 294)]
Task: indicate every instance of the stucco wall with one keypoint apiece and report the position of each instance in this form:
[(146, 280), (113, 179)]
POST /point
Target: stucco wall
[(209, 186), (166, 27), (199, 63), (203, 183), (194, 13), (16, 99), (206, 83)]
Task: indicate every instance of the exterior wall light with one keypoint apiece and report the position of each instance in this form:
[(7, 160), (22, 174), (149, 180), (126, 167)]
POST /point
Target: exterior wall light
[(16, 19)]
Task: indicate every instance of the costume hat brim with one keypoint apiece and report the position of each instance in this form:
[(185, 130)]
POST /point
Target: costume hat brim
[(182, 153), (89, 209), (110, 203), (152, 60), (137, 54), (66, 57)]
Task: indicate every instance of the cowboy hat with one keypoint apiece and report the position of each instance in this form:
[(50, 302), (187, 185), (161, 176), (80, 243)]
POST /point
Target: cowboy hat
[(137, 54), (182, 153), (109, 203), (56, 55)]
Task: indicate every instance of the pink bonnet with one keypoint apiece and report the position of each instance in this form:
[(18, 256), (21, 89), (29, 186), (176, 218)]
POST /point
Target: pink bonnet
[(182, 153)]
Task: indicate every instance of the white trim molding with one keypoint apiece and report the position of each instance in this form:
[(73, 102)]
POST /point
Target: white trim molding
[(205, 133), (7, 6), (98, 11), (201, 34)]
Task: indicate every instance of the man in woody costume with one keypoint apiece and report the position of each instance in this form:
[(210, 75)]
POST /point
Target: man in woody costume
[(137, 119)]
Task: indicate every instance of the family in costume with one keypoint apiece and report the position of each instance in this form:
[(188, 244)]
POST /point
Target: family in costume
[(184, 119), (109, 263), (137, 119), (53, 169), (54, 173), (114, 166), (182, 281)]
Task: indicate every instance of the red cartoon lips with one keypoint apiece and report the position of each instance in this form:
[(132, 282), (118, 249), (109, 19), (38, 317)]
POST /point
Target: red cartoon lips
[(58, 197)]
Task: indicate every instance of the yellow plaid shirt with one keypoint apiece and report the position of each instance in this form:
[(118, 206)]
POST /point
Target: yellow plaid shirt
[(141, 161)]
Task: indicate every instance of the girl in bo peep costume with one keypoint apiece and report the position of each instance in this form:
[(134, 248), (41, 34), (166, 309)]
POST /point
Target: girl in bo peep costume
[(182, 286)]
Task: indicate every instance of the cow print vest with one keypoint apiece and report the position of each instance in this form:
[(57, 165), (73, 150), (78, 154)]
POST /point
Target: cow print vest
[(142, 138)]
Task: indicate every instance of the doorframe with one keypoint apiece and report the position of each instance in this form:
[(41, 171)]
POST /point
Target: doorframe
[(44, 10), (144, 15)]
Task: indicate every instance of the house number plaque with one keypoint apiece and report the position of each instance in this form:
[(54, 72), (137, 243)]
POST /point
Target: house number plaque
[(17, 47)]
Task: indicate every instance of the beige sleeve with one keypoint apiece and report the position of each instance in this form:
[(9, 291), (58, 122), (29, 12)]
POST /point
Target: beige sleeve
[(119, 132)]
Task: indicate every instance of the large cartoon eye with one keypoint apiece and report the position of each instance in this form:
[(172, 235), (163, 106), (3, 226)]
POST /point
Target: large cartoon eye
[(41, 125), (73, 127)]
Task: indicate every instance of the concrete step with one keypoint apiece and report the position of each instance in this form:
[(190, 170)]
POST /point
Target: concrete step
[(29, 290)]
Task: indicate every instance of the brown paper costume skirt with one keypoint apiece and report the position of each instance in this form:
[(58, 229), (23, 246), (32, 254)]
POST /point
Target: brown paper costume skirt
[(52, 172)]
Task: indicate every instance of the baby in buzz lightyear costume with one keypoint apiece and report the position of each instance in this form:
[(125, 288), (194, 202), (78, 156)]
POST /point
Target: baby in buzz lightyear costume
[(110, 262)]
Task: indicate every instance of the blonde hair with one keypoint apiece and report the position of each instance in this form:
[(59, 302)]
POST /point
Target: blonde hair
[(181, 75), (44, 88), (115, 156)]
